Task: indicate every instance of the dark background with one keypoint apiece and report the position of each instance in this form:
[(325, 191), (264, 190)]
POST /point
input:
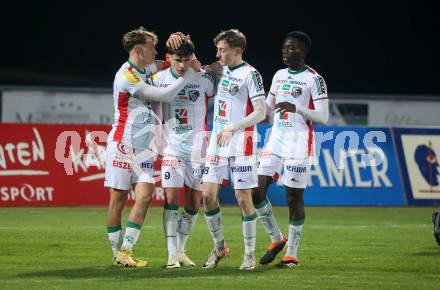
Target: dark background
[(358, 46)]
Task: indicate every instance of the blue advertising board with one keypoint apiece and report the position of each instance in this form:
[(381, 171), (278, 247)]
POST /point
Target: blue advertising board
[(354, 167), (417, 151)]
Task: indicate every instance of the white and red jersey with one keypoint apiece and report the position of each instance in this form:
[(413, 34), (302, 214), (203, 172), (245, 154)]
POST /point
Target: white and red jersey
[(189, 111), (237, 88), (133, 117), (292, 136)]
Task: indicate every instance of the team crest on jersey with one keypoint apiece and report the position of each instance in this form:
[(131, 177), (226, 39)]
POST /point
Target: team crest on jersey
[(233, 89), (193, 95), (181, 115), (296, 92)]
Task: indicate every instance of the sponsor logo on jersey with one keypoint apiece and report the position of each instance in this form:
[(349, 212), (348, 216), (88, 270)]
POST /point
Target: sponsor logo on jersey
[(286, 87), (122, 165), (258, 81), (181, 115), (182, 95), (132, 77), (245, 168), (193, 95), (234, 79), (171, 162), (225, 85), (284, 116), (213, 159), (222, 107), (296, 169), (124, 149), (296, 92), (283, 121), (322, 87), (233, 89)]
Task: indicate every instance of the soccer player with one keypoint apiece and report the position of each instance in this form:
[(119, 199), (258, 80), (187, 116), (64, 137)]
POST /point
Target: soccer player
[(238, 106), (129, 156), (186, 142), (298, 95)]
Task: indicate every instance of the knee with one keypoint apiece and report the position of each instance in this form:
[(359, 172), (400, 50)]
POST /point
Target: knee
[(208, 200), (144, 199), (118, 200)]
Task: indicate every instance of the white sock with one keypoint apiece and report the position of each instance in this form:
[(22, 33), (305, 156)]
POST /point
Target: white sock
[(213, 220), (295, 229), (170, 221), (131, 236), (187, 222), (249, 233), (114, 236), (267, 219)]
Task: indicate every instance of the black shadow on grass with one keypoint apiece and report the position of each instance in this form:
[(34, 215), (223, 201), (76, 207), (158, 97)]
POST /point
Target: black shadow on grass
[(429, 252), (120, 273)]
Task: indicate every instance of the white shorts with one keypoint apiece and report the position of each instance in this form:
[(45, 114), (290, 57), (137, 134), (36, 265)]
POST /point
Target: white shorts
[(241, 170), (125, 166), (295, 172), (177, 172)]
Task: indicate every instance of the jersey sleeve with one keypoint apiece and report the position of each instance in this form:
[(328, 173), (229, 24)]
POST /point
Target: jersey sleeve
[(318, 88), (255, 85), (129, 81)]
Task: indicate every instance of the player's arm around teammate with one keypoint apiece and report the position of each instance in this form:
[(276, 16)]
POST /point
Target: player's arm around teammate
[(132, 92)]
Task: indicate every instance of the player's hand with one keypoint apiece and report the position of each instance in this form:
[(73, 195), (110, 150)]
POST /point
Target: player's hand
[(195, 65), (225, 136), (175, 40), (284, 107)]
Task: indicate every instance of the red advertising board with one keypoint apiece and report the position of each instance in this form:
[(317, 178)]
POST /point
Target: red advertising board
[(55, 165)]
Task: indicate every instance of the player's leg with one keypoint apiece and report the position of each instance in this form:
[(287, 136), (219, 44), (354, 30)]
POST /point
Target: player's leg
[(187, 222), (269, 169), (144, 193), (172, 182), (118, 200), (142, 180), (245, 179), (118, 180), (295, 179), (214, 176), (193, 196)]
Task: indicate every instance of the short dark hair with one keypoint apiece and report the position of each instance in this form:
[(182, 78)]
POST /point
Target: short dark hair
[(302, 37), (187, 48), (137, 36), (233, 37)]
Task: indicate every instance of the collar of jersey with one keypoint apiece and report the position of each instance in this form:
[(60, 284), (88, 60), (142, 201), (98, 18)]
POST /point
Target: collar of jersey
[(173, 74), (294, 72), (237, 66), (138, 70)]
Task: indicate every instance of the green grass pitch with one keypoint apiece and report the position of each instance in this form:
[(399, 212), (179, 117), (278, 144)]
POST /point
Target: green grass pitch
[(341, 247)]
